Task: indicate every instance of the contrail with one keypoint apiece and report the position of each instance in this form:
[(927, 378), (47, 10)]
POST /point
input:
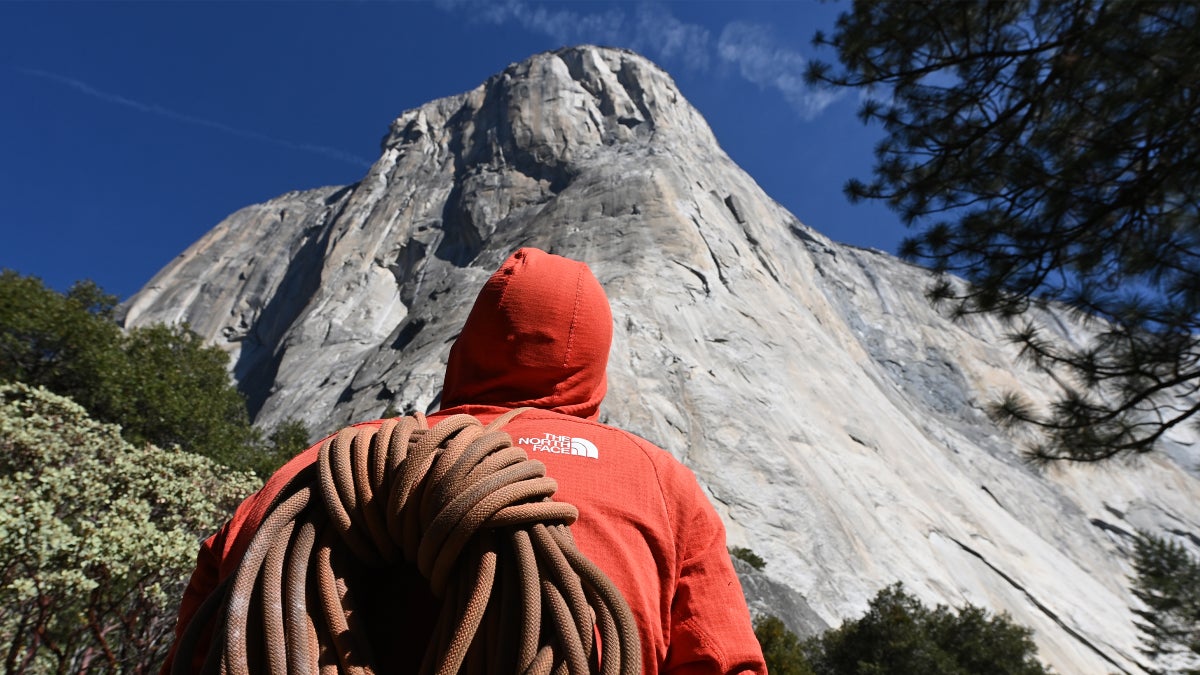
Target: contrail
[(154, 109)]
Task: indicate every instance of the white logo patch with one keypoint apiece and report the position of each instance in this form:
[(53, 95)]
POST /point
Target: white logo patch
[(561, 445)]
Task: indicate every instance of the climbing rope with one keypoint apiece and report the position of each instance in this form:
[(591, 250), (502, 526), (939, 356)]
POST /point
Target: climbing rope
[(459, 502)]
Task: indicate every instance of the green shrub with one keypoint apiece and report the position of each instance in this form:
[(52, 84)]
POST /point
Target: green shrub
[(97, 536), (287, 440), (163, 385), (176, 391), (66, 343), (900, 636), (781, 648), (750, 557)]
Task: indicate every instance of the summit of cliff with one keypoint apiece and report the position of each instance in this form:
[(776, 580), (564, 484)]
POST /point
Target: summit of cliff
[(832, 415)]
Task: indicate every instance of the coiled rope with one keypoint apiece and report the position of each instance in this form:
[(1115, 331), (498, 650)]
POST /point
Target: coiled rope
[(474, 515)]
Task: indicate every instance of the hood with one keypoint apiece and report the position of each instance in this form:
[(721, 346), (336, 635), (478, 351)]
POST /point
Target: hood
[(538, 335)]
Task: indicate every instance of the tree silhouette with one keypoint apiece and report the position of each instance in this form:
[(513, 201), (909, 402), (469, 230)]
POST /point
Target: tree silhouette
[(1049, 151)]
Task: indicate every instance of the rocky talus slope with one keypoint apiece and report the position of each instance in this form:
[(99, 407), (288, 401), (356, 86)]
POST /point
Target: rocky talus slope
[(834, 417)]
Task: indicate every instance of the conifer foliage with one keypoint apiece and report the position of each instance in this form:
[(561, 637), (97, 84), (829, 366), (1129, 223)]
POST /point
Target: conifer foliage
[(1167, 581), (1049, 150)]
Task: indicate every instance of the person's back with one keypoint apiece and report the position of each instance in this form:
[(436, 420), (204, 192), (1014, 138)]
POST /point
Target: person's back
[(538, 336)]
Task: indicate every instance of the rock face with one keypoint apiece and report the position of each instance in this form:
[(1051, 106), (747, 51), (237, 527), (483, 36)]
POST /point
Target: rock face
[(834, 417)]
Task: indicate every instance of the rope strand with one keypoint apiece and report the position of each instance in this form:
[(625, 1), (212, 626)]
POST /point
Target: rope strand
[(465, 507)]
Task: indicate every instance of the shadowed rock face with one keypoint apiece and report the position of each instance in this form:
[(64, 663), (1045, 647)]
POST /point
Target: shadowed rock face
[(833, 416)]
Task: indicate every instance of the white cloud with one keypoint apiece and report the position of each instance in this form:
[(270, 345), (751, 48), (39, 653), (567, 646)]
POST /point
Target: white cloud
[(761, 60), (653, 30), (154, 109), (563, 26), (658, 33)]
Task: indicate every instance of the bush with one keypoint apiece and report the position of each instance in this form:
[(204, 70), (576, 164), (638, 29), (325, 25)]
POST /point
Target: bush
[(97, 537), (749, 557), (288, 439), (66, 343), (900, 636), (176, 391), (781, 648), (161, 384)]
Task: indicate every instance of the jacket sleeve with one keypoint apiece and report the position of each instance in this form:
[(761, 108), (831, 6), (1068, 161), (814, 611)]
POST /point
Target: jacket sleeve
[(711, 632)]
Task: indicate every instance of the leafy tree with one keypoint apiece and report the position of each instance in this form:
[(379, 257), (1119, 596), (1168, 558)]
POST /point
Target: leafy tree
[(781, 648), (161, 384), (288, 439), (1167, 581), (175, 390), (67, 343), (1048, 150), (898, 635), (97, 537)]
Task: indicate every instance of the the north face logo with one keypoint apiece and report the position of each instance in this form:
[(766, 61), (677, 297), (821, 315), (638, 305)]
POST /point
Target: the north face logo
[(561, 445)]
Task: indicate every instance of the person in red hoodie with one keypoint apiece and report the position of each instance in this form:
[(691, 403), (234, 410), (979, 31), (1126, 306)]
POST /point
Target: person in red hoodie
[(538, 335)]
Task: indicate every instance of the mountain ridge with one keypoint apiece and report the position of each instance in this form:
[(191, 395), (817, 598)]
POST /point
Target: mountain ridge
[(833, 416)]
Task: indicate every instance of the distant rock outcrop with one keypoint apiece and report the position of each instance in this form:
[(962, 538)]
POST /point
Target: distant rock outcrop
[(834, 417)]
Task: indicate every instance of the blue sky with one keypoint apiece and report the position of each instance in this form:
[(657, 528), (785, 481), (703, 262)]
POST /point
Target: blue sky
[(128, 130)]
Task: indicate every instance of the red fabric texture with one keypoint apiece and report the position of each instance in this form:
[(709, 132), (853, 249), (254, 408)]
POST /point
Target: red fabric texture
[(538, 335)]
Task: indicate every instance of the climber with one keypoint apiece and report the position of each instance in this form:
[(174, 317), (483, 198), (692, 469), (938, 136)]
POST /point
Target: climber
[(538, 336)]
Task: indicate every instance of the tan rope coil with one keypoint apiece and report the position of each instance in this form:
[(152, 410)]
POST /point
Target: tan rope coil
[(474, 515)]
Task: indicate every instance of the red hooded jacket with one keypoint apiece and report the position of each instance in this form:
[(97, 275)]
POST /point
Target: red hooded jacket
[(539, 335)]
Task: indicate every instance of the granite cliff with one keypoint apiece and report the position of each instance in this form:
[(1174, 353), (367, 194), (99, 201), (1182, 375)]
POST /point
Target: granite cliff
[(835, 418)]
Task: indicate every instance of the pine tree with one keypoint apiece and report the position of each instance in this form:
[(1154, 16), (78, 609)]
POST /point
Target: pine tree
[(1049, 150), (1167, 582)]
